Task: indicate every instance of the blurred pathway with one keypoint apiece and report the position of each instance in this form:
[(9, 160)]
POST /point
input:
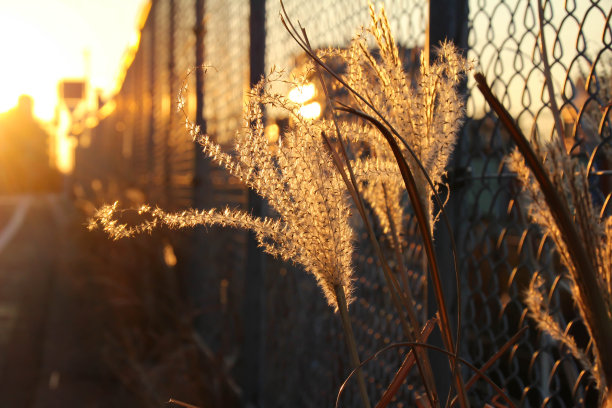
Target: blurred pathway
[(50, 342), (21, 204)]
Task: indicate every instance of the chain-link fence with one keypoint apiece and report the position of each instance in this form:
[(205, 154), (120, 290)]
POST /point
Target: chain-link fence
[(500, 250), (142, 145)]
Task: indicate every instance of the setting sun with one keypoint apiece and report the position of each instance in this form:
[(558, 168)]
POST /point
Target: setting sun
[(50, 40), (25, 72), (46, 41), (41, 52)]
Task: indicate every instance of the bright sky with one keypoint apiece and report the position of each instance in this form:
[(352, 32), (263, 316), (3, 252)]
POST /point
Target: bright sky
[(43, 41)]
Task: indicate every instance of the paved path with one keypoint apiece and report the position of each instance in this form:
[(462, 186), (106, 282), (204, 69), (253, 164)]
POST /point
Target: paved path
[(50, 345)]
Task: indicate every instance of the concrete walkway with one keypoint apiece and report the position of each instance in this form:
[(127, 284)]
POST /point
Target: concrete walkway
[(50, 344)]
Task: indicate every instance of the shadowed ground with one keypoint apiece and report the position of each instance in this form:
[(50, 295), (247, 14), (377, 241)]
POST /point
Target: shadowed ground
[(50, 335)]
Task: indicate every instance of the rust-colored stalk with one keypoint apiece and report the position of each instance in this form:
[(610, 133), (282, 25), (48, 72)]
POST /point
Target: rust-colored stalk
[(596, 312), (425, 230)]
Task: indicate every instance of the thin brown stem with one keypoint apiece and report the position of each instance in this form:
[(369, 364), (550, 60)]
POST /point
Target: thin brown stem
[(395, 290), (511, 342), (548, 78), (351, 343), (295, 35), (595, 310), (181, 403), (421, 355), (426, 233), (479, 372), (399, 302), (400, 261)]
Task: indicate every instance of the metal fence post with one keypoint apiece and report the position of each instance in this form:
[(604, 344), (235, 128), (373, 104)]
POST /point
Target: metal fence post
[(151, 119), (200, 256), (254, 282), (166, 166), (448, 20), (201, 181)]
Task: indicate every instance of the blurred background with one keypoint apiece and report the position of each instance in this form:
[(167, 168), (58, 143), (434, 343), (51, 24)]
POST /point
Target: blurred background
[(89, 92)]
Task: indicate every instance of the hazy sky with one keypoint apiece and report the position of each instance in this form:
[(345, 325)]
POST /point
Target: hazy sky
[(42, 41)]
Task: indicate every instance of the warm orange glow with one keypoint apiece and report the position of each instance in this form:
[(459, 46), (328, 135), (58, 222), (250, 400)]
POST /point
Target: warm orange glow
[(272, 133), (169, 256), (23, 72), (108, 108), (91, 122), (64, 144), (45, 40)]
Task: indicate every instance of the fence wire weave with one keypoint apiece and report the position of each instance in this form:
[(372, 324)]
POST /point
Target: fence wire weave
[(303, 354), (500, 249)]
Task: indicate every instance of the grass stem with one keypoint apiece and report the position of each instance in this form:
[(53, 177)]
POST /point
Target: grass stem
[(351, 344)]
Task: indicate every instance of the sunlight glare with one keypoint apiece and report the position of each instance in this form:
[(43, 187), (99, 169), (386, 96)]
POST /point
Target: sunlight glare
[(302, 94), (64, 144), (310, 111), (36, 56)]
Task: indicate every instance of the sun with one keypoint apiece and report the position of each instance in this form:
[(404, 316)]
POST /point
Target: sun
[(22, 71), (35, 55)]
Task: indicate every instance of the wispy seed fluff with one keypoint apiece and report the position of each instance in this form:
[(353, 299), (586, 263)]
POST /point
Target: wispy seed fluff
[(296, 177), (570, 179), (426, 110)]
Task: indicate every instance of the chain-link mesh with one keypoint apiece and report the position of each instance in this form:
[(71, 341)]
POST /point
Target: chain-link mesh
[(226, 61), (181, 149), (499, 250), (138, 78), (226, 48), (309, 322), (333, 24)]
